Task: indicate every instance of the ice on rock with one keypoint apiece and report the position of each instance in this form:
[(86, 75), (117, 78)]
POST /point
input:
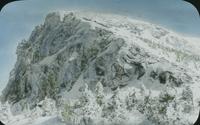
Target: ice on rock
[(83, 68)]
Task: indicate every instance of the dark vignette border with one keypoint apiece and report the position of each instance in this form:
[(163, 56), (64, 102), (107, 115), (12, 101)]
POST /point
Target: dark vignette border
[(5, 2), (195, 3)]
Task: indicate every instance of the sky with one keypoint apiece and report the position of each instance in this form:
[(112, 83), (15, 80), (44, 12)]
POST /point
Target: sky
[(18, 19)]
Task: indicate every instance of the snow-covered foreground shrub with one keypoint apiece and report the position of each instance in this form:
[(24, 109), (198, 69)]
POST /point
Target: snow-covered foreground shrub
[(44, 108), (126, 106), (5, 112), (85, 109), (129, 106)]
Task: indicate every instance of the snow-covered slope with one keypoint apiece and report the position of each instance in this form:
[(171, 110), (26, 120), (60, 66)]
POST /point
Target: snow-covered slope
[(104, 69)]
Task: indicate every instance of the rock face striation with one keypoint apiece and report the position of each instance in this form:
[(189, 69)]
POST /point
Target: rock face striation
[(57, 54), (141, 67)]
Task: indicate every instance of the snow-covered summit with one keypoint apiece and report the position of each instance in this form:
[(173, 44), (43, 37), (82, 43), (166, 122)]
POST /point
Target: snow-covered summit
[(106, 69)]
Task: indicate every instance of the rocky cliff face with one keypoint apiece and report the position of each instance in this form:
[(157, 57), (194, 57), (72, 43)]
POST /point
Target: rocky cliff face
[(55, 56), (145, 68)]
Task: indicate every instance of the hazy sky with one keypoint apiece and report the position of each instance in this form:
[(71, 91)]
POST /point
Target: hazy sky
[(18, 19)]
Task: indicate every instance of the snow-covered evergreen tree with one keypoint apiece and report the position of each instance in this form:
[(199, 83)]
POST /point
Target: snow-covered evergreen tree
[(99, 91)]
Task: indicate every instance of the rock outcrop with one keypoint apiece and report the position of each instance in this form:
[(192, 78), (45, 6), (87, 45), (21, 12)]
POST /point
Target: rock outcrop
[(145, 68)]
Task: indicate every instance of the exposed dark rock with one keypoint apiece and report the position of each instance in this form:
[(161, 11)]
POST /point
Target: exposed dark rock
[(139, 70), (176, 81), (164, 77), (119, 71), (154, 75)]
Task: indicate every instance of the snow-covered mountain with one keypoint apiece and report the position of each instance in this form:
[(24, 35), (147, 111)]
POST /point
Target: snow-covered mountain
[(82, 68)]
